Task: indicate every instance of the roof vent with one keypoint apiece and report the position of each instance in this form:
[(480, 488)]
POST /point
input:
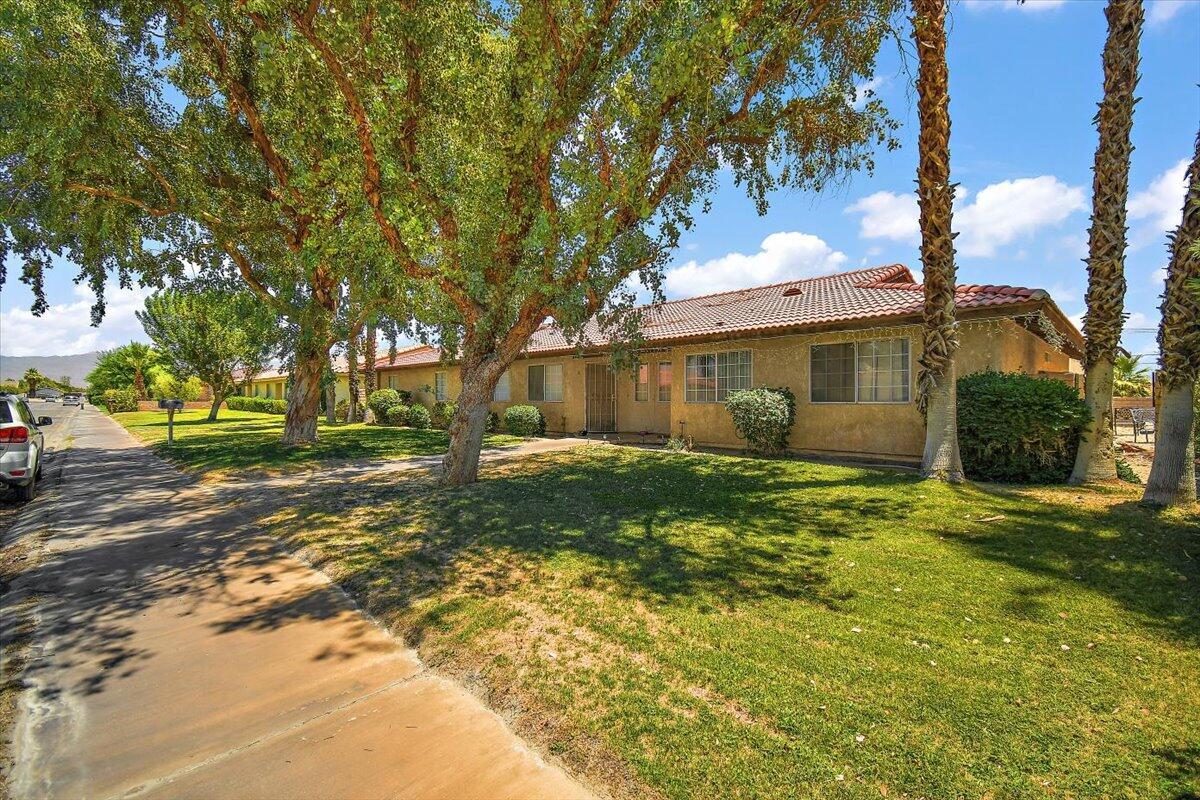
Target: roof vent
[(792, 291)]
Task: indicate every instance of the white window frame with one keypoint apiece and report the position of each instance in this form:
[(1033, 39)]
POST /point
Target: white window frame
[(440, 392), (717, 374), (505, 383), (857, 400), (548, 383), (670, 365)]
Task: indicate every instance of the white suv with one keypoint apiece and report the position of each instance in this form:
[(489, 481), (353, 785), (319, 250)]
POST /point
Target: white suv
[(21, 446)]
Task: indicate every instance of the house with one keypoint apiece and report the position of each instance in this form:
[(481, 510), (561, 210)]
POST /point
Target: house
[(273, 383), (846, 345)]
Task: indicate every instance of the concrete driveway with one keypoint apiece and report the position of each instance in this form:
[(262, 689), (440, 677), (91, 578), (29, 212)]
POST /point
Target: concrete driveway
[(180, 653)]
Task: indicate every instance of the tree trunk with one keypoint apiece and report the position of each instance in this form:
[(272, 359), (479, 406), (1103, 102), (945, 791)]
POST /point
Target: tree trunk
[(1096, 460), (935, 197), (304, 402), (941, 459), (139, 384), (216, 406), (331, 401), (352, 377), (369, 374), (461, 464), (1173, 474)]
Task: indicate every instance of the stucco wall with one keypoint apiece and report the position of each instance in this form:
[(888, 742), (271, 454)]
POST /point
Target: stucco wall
[(888, 430), (277, 388)]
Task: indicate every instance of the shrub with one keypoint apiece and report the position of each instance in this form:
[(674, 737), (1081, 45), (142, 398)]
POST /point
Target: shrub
[(396, 415), (763, 417), (1017, 428), (443, 414), (1125, 472), (541, 426), (118, 400), (493, 422), (380, 400), (680, 444), (524, 420), (341, 410), (263, 405), (406, 397), (418, 416)]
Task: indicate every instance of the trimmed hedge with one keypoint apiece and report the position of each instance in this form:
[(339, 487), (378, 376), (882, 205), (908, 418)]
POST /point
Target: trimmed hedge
[(263, 405), (119, 400), (418, 416), (396, 415), (1016, 428), (380, 400), (763, 417), (523, 420)]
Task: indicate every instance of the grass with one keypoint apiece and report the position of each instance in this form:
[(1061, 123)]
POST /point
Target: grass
[(701, 626), (247, 440)]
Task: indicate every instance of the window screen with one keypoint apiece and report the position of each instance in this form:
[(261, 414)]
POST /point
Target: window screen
[(664, 381), (832, 373), (710, 377), (641, 386), (439, 386), (875, 371), (502, 391), (545, 383)]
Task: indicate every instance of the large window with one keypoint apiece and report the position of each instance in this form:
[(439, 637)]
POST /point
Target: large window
[(439, 387), (545, 383), (710, 377), (875, 371), (664, 381), (641, 386), (501, 393)]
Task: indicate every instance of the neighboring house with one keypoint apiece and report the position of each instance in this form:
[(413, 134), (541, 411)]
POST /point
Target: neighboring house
[(846, 345), (273, 383)]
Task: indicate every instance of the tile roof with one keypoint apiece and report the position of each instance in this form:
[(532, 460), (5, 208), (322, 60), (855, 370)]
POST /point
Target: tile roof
[(410, 356), (880, 292)]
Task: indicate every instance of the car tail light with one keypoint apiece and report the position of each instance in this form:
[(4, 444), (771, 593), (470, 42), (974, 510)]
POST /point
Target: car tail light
[(17, 435), (17, 473)]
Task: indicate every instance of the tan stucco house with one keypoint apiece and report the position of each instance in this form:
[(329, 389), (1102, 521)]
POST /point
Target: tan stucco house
[(273, 383), (846, 344)]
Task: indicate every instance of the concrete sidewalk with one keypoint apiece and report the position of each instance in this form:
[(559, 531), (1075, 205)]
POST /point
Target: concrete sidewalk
[(180, 653)]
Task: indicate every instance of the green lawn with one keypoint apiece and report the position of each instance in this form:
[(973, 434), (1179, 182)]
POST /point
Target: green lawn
[(703, 626), (247, 440)]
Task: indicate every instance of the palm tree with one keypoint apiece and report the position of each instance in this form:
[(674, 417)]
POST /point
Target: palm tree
[(1130, 378), (935, 195), (352, 377), (1173, 475), (32, 380), (369, 377), (140, 358), (1096, 460)]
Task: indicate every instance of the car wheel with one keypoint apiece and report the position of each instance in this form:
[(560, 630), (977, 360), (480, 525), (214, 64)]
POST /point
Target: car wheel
[(28, 491)]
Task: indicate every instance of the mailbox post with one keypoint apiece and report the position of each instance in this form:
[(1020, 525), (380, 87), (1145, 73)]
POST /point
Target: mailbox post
[(171, 405)]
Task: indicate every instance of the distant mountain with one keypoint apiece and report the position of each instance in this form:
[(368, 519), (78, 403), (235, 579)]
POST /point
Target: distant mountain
[(74, 367)]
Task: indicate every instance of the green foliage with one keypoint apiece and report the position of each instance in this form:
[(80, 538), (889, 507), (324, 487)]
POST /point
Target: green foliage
[(341, 410), (1017, 428), (122, 368), (11, 387), (418, 416), (406, 396), (397, 414), (167, 385), (680, 444), (493, 422), (443, 414), (523, 420), (119, 400), (1130, 379), (380, 400), (1125, 472), (763, 417), (215, 335), (263, 405)]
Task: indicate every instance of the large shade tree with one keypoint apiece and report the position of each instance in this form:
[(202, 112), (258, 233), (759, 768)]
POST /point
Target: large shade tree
[(523, 160), (1102, 324), (1173, 474), (145, 138), (935, 198), (218, 336)]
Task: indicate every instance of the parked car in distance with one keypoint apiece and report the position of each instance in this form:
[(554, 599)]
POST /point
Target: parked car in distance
[(21, 446), (72, 399)]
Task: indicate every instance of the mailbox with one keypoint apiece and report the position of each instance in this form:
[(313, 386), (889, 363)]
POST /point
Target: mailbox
[(171, 404)]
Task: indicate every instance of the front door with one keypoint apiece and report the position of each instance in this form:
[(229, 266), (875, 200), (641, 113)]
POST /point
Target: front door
[(601, 395)]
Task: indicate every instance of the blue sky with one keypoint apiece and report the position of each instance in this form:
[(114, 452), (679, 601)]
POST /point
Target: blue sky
[(1024, 82)]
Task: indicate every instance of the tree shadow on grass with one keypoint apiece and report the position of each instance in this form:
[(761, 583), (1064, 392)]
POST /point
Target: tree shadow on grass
[(1147, 562)]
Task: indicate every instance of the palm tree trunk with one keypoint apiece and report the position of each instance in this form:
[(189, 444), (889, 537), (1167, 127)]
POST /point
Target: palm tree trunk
[(1173, 473), (1096, 460), (935, 196), (352, 377), (369, 377)]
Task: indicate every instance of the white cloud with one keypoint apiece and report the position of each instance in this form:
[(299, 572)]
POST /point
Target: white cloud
[(1160, 204), (865, 90), (782, 256), (1004, 211), (888, 216), (1158, 278), (999, 214), (1160, 12), (65, 328), (1032, 6)]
